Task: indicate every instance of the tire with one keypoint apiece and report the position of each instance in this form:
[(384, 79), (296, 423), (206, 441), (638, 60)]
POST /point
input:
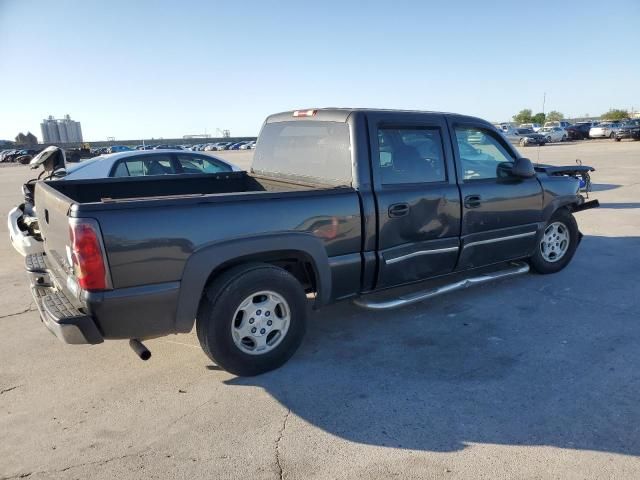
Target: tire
[(549, 139), (617, 139), (220, 315), (564, 138), (523, 142), (612, 135), (542, 260)]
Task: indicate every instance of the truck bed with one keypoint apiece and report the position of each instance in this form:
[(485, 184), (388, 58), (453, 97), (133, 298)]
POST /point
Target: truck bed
[(151, 227), (110, 190)]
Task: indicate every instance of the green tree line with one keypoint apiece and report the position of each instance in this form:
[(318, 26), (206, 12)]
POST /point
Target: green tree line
[(526, 116)]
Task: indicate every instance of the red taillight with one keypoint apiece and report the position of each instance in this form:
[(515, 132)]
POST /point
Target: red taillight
[(86, 255)]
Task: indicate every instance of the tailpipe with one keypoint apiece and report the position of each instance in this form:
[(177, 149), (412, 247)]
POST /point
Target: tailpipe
[(138, 347)]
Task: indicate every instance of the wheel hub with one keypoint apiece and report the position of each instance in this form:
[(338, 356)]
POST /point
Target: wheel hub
[(260, 323), (555, 242)]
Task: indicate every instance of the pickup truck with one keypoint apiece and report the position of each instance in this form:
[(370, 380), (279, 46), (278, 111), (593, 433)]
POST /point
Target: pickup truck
[(339, 204)]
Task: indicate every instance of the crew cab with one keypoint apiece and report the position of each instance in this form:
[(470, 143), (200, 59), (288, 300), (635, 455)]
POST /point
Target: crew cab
[(339, 204)]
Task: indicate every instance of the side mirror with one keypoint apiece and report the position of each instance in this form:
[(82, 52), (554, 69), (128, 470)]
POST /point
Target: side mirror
[(523, 168)]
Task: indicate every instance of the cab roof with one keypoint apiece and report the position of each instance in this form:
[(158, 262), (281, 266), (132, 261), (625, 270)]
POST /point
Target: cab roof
[(333, 114)]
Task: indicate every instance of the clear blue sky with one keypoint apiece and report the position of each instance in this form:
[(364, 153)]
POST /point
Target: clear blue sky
[(133, 69)]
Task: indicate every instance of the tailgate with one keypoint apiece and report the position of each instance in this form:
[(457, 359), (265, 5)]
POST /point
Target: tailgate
[(53, 220)]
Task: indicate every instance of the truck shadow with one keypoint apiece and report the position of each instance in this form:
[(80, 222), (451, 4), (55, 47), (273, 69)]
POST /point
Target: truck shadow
[(533, 360), (601, 187)]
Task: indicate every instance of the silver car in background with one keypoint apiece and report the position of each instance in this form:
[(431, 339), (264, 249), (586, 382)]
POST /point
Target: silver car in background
[(605, 130)]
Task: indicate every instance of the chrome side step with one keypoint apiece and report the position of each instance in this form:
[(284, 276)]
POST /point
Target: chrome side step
[(517, 268)]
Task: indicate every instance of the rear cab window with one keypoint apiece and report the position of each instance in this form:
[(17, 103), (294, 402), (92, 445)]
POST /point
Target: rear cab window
[(305, 150)]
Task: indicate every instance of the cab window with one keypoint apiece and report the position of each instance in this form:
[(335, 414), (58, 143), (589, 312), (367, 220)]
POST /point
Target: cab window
[(481, 154), (410, 155), (144, 166), (201, 164)]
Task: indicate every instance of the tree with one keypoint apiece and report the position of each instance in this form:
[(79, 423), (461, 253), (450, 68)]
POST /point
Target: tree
[(554, 116), (615, 114), (523, 116), (538, 118)]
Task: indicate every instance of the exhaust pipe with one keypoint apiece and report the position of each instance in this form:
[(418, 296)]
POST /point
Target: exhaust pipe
[(138, 347)]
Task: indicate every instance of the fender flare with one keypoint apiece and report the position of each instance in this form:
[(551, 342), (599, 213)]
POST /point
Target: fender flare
[(564, 201), (202, 263)]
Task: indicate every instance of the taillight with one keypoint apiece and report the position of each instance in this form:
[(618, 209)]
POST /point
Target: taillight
[(86, 254)]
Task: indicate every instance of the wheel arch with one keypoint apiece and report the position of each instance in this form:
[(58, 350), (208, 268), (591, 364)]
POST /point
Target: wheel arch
[(301, 250)]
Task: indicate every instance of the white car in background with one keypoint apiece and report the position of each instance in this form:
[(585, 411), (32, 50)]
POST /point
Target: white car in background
[(554, 134), (531, 126), (605, 130)]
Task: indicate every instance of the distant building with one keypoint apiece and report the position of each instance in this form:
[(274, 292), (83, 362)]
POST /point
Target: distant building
[(28, 139), (61, 130)]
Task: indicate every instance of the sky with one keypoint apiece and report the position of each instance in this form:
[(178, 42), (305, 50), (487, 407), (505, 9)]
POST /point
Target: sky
[(163, 69)]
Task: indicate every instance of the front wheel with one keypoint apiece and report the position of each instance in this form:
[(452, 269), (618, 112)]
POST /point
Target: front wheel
[(549, 139), (612, 135), (252, 319), (564, 138), (523, 142), (557, 245)]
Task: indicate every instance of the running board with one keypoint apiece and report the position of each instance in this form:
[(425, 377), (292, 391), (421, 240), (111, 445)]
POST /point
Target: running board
[(516, 268)]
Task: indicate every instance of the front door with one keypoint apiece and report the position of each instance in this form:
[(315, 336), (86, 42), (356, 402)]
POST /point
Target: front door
[(501, 213), (417, 198)]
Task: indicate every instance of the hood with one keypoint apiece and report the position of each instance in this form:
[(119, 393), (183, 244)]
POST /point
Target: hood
[(51, 158)]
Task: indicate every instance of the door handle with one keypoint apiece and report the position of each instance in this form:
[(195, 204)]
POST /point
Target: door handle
[(472, 201), (399, 209)]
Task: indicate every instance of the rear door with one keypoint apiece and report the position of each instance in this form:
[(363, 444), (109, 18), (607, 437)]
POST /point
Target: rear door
[(500, 213), (418, 203)]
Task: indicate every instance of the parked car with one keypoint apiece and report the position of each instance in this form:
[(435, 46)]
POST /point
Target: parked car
[(223, 145), (248, 145), (316, 217), (532, 126), (554, 134), (23, 227), (523, 136), (236, 146), (630, 129), (605, 130), (579, 131), (561, 124), (118, 148)]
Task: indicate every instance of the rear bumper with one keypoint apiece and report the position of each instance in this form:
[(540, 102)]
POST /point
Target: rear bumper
[(140, 312), (64, 319), (23, 243)]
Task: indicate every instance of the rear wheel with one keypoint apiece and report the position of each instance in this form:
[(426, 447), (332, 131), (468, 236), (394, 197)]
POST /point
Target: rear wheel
[(557, 244), (252, 319)]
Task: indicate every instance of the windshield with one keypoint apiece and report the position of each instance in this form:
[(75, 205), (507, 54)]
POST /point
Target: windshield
[(319, 152)]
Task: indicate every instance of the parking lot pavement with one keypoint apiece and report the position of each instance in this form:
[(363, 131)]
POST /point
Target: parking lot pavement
[(530, 377)]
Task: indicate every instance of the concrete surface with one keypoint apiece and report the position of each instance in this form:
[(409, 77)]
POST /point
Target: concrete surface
[(531, 377)]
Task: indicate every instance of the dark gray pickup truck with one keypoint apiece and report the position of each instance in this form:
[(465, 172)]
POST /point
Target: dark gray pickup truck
[(339, 203)]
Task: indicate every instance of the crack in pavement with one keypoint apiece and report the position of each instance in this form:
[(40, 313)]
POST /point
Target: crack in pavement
[(28, 309), (5, 390), (280, 435), (62, 470)]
